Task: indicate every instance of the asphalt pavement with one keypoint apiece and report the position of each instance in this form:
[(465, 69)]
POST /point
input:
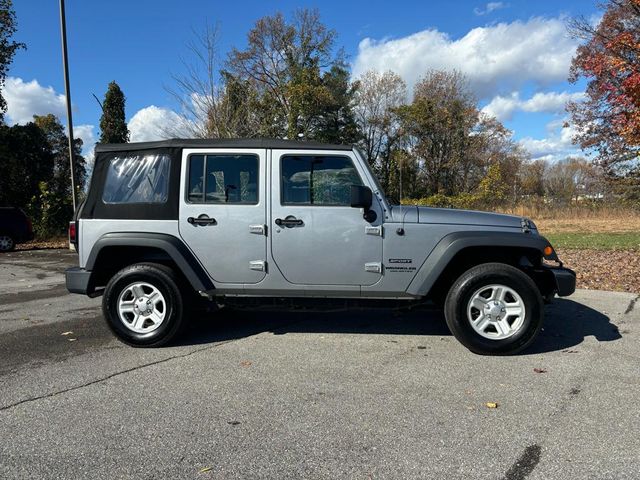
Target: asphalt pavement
[(298, 394)]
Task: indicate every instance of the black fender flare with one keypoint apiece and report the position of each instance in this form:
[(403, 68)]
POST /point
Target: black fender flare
[(175, 248), (447, 248)]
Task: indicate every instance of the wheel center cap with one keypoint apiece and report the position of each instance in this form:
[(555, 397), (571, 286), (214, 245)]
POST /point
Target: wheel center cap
[(143, 305), (496, 309)]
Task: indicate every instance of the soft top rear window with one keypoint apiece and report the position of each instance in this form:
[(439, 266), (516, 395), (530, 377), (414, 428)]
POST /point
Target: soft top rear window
[(137, 178)]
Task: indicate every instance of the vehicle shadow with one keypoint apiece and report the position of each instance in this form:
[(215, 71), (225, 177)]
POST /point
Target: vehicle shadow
[(567, 323), (227, 325)]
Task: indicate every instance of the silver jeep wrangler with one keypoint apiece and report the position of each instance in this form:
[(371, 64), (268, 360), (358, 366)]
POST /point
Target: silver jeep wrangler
[(172, 224)]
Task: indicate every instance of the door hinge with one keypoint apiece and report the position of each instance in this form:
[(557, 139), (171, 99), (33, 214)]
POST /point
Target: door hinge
[(376, 231), (374, 267), (258, 229), (258, 265)]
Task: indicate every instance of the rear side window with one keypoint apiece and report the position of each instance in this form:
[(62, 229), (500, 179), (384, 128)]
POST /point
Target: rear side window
[(223, 179), (318, 180), (137, 179)]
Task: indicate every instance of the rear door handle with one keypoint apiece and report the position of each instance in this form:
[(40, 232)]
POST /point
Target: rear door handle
[(289, 222), (202, 220)]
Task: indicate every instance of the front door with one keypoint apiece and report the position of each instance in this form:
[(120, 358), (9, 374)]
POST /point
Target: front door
[(223, 212), (318, 239)]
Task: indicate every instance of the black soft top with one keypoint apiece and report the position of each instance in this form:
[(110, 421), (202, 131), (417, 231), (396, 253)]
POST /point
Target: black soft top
[(219, 143), (95, 207)]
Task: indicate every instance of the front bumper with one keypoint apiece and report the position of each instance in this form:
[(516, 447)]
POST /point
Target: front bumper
[(78, 280), (565, 280)]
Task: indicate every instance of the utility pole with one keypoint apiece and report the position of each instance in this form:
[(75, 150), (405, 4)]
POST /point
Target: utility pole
[(67, 91)]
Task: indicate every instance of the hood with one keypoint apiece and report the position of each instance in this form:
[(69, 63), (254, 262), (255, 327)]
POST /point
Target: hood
[(450, 216)]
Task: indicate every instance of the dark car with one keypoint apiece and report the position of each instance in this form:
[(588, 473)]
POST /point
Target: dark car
[(15, 227)]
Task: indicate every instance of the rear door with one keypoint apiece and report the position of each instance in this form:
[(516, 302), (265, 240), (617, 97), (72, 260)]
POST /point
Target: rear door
[(223, 212), (318, 238)]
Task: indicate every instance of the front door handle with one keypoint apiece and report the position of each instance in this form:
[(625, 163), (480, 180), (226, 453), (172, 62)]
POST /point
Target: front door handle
[(289, 222), (202, 220)]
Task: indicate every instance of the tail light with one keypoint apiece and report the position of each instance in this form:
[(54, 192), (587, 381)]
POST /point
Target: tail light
[(73, 234)]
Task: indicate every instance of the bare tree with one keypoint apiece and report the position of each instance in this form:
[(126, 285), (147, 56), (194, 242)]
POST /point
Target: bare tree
[(571, 180), (377, 97), (532, 177), (491, 143), (212, 105)]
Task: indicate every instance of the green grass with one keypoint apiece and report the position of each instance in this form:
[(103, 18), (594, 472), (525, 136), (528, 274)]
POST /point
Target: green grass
[(597, 241)]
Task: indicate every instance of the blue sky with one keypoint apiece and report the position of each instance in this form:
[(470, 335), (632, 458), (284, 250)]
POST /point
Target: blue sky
[(516, 54)]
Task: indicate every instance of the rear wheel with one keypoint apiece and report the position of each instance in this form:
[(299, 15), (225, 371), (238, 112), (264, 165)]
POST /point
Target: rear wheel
[(494, 309), (7, 243), (142, 305)]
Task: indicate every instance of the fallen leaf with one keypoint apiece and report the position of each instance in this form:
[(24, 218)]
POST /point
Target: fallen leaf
[(619, 272), (539, 370), (72, 339), (205, 469), (66, 333), (245, 363), (491, 404)]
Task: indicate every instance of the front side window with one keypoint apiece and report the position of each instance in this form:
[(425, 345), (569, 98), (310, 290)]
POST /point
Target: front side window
[(137, 179), (318, 180), (223, 179)]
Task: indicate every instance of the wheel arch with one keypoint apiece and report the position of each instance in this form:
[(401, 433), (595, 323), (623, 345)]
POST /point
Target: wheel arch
[(457, 252), (114, 251)]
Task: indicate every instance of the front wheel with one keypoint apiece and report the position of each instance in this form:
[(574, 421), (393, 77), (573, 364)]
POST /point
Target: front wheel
[(142, 305), (494, 309), (7, 243)]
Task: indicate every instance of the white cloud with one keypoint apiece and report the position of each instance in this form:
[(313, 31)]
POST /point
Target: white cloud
[(557, 146), (154, 123), (503, 107), (86, 133), (489, 7), (496, 59), (88, 136), (26, 99)]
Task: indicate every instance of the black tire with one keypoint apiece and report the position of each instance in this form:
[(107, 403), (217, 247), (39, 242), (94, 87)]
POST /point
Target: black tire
[(160, 277), (473, 280), (7, 243)]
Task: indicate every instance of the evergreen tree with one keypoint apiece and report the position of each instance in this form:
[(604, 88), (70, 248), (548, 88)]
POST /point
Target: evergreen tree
[(25, 160), (335, 120), (113, 128), (54, 202), (8, 47)]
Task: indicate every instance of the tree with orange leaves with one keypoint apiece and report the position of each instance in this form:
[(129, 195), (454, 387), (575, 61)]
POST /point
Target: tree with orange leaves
[(608, 120)]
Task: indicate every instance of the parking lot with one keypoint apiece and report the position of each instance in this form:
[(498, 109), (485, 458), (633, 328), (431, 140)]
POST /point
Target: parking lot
[(363, 395)]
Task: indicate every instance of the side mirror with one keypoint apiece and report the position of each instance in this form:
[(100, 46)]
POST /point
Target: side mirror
[(361, 197)]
